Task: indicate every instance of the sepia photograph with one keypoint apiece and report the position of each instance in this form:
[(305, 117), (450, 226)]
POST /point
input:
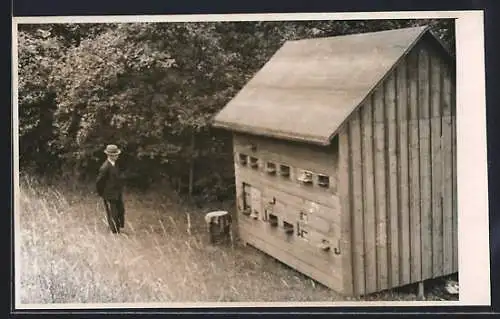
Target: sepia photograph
[(237, 161)]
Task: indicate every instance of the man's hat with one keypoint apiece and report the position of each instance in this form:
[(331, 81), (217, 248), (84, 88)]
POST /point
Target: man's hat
[(112, 150)]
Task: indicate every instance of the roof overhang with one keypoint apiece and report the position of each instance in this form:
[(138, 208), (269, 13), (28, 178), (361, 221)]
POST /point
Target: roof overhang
[(240, 122)]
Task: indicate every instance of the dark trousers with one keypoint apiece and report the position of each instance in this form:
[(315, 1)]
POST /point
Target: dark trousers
[(115, 213)]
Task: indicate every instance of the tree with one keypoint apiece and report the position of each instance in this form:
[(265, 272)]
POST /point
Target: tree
[(38, 51), (152, 88)]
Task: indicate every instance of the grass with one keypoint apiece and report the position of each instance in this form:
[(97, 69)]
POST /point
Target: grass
[(68, 255)]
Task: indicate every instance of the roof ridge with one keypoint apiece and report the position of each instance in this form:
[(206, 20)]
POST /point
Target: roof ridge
[(423, 28), (262, 108)]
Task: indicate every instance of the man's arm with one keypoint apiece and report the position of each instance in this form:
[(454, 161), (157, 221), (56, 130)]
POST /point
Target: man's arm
[(101, 179)]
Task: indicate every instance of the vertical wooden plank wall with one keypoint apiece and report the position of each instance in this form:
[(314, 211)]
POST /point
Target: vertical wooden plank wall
[(397, 183), (425, 162), (436, 169), (369, 252), (403, 173), (380, 187), (392, 180), (346, 198), (446, 172), (357, 223), (414, 165), (238, 189), (450, 250), (401, 155), (324, 222)]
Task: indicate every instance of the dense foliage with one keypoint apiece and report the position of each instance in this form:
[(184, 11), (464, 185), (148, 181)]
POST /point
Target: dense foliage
[(151, 88)]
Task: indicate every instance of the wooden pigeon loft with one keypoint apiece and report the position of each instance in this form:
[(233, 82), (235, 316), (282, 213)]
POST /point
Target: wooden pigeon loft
[(345, 159)]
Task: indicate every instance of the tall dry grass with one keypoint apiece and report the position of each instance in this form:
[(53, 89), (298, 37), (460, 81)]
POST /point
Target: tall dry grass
[(68, 255)]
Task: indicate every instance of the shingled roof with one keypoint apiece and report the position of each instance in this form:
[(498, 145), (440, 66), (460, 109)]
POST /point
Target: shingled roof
[(309, 87)]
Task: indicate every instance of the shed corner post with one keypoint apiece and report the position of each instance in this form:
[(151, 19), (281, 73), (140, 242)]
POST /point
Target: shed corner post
[(344, 189), (238, 189)]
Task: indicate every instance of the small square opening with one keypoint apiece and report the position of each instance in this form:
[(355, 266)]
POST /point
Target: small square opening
[(284, 170), (324, 181), (271, 168), (243, 159), (254, 162), (288, 227), (273, 220)]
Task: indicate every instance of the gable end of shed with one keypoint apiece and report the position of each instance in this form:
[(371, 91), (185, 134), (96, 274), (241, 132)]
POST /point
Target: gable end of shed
[(426, 41)]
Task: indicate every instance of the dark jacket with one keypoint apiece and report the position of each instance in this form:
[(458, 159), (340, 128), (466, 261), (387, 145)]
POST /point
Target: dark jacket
[(109, 183)]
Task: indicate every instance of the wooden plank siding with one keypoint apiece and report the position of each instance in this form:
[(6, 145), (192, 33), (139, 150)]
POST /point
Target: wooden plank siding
[(403, 173), (293, 154), (380, 168), (288, 186), (324, 262), (425, 162), (436, 169), (370, 251), (390, 213), (392, 181), (357, 220), (400, 183), (291, 198), (414, 166), (286, 252), (447, 163), (347, 208)]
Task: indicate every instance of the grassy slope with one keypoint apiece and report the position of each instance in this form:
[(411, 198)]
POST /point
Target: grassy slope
[(68, 255)]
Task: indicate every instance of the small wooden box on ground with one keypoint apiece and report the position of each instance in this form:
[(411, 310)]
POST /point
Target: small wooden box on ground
[(345, 159), (219, 225)]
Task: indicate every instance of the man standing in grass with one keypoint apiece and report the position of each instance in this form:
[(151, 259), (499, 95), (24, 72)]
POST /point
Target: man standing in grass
[(109, 186)]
